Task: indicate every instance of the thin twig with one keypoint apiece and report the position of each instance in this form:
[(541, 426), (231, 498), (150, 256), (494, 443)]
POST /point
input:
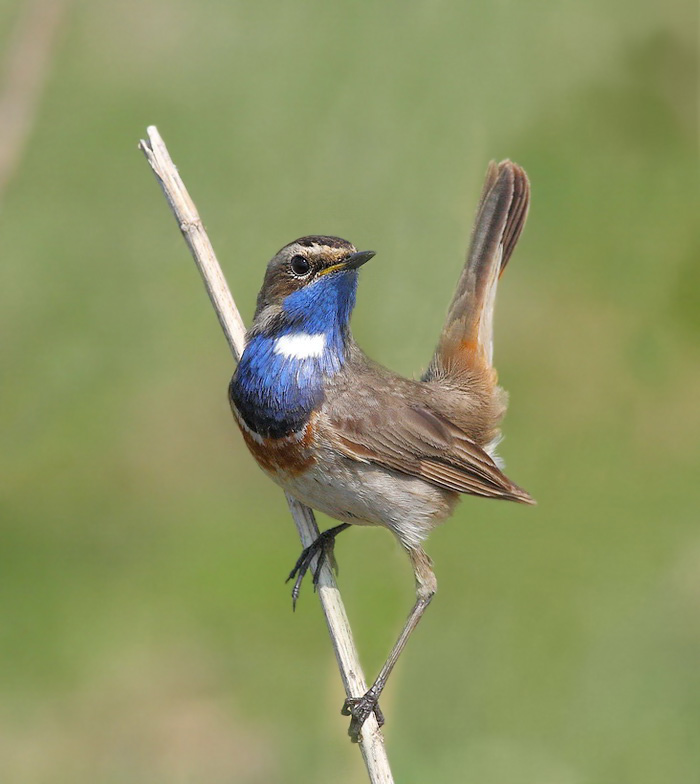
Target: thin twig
[(25, 70), (371, 741)]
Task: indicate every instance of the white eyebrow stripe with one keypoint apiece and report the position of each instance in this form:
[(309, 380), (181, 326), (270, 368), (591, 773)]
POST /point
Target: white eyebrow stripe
[(300, 345)]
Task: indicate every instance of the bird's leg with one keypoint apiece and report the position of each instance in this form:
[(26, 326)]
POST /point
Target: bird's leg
[(426, 585), (321, 546)]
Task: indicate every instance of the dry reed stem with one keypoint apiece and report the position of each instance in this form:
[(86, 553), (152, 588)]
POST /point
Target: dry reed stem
[(371, 741), (23, 75)]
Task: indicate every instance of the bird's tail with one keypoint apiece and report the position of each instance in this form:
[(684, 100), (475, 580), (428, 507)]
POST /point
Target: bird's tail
[(466, 342)]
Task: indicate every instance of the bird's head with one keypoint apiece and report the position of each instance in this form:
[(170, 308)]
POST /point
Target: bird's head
[(309, 285)]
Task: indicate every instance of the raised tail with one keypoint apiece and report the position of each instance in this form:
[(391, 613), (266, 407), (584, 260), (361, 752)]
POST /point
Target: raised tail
[(466, 342)]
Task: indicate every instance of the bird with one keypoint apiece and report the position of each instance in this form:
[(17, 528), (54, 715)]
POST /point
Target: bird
[(350, 438)]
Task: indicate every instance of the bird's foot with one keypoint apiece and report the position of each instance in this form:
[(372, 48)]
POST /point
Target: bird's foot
[(360, 708), (322, 546)]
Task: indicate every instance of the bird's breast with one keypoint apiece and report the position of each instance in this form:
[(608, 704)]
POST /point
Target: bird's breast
[(276, 393), (279, 381), (285, 457)]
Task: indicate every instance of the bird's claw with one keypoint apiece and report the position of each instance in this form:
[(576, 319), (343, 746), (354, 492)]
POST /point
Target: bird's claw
[(360, 708), (323, 546)]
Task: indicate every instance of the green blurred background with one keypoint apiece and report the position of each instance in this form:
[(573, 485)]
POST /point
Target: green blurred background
[(146, 634)]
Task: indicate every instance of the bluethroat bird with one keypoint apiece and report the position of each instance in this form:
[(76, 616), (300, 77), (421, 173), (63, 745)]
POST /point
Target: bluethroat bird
[(350, 438)]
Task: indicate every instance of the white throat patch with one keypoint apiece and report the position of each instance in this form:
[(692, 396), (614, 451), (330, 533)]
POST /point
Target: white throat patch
[(300, 345)]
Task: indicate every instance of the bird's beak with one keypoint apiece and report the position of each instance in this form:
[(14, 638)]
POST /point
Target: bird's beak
[(352, 262), (358, 259)]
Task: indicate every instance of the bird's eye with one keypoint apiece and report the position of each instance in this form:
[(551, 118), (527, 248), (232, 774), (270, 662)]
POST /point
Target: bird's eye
[(300, 266)]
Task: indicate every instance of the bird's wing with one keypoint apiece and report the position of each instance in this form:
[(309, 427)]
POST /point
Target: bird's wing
[(417, 441)]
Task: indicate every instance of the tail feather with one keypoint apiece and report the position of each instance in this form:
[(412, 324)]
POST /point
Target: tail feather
[(466, 342)]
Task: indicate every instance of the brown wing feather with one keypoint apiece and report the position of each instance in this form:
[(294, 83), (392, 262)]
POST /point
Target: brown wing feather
[(416, 441)]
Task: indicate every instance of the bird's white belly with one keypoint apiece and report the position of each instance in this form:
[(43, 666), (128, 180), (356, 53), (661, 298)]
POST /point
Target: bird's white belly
[(364, 494)]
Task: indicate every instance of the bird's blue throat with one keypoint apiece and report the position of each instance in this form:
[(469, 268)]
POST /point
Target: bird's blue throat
[(279, 381)]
